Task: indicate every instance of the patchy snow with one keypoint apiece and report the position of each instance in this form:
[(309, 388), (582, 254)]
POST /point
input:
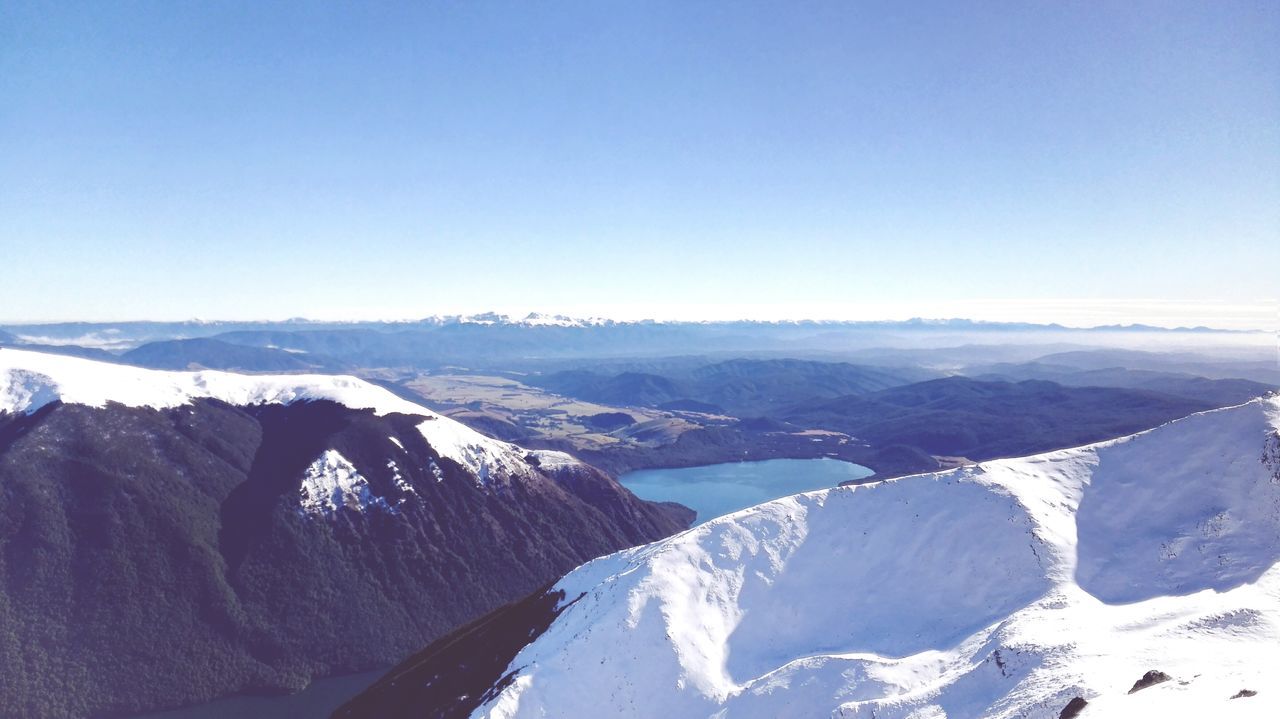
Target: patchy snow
[(539, 319), (489, 459), (31, 380), (998, 590), (399, 481), (332, 482), (555, 460)]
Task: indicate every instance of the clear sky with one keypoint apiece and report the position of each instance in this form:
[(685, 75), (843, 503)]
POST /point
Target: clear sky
[(1071, 161)]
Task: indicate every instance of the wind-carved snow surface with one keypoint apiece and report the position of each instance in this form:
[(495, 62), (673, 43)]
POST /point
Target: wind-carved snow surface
[(1000, 590), (31, 380)]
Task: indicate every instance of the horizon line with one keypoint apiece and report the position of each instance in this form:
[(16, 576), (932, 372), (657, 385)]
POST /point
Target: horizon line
[(527, 320)]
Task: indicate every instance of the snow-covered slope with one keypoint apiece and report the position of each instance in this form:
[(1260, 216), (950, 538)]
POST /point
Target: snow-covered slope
[(1002, 590), (31, 380)]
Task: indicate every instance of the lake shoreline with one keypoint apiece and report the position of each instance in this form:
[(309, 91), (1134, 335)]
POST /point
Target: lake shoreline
[(713, 490)]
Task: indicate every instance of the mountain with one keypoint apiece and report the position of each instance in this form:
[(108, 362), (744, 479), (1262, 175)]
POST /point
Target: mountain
[(170, 537), (637, 389), (981, 420), (753, 386), (491, 340), (744, 387), (204, 353), (1264, 368), (1136, 577), (1216, 391)]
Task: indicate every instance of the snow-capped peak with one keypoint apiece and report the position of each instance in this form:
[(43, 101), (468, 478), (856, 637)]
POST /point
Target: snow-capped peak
[(1008, 589), (532, 319)]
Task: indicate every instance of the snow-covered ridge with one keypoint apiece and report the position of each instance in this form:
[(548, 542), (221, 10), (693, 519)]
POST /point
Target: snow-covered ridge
[(31, 380), (1001, 590)]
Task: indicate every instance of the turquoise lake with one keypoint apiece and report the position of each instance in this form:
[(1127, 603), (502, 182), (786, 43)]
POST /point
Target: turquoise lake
[(719, 489)]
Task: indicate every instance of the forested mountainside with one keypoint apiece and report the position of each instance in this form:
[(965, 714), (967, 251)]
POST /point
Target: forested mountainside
[(169, 537)]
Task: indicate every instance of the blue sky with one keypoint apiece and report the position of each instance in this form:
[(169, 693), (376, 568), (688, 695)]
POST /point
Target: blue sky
[(1021, 160)]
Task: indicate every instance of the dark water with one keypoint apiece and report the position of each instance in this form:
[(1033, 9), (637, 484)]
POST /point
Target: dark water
[(317, 700), (719, 489)]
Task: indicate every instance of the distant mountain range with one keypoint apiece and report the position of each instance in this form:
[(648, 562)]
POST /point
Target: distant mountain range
[(1137, 578), (490, 339), (170, 537), (538, 319), (1225, 390)]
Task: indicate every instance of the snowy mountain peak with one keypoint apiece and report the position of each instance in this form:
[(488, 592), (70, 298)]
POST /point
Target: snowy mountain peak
[(1008, 589), (31, 380), (532, 319)]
